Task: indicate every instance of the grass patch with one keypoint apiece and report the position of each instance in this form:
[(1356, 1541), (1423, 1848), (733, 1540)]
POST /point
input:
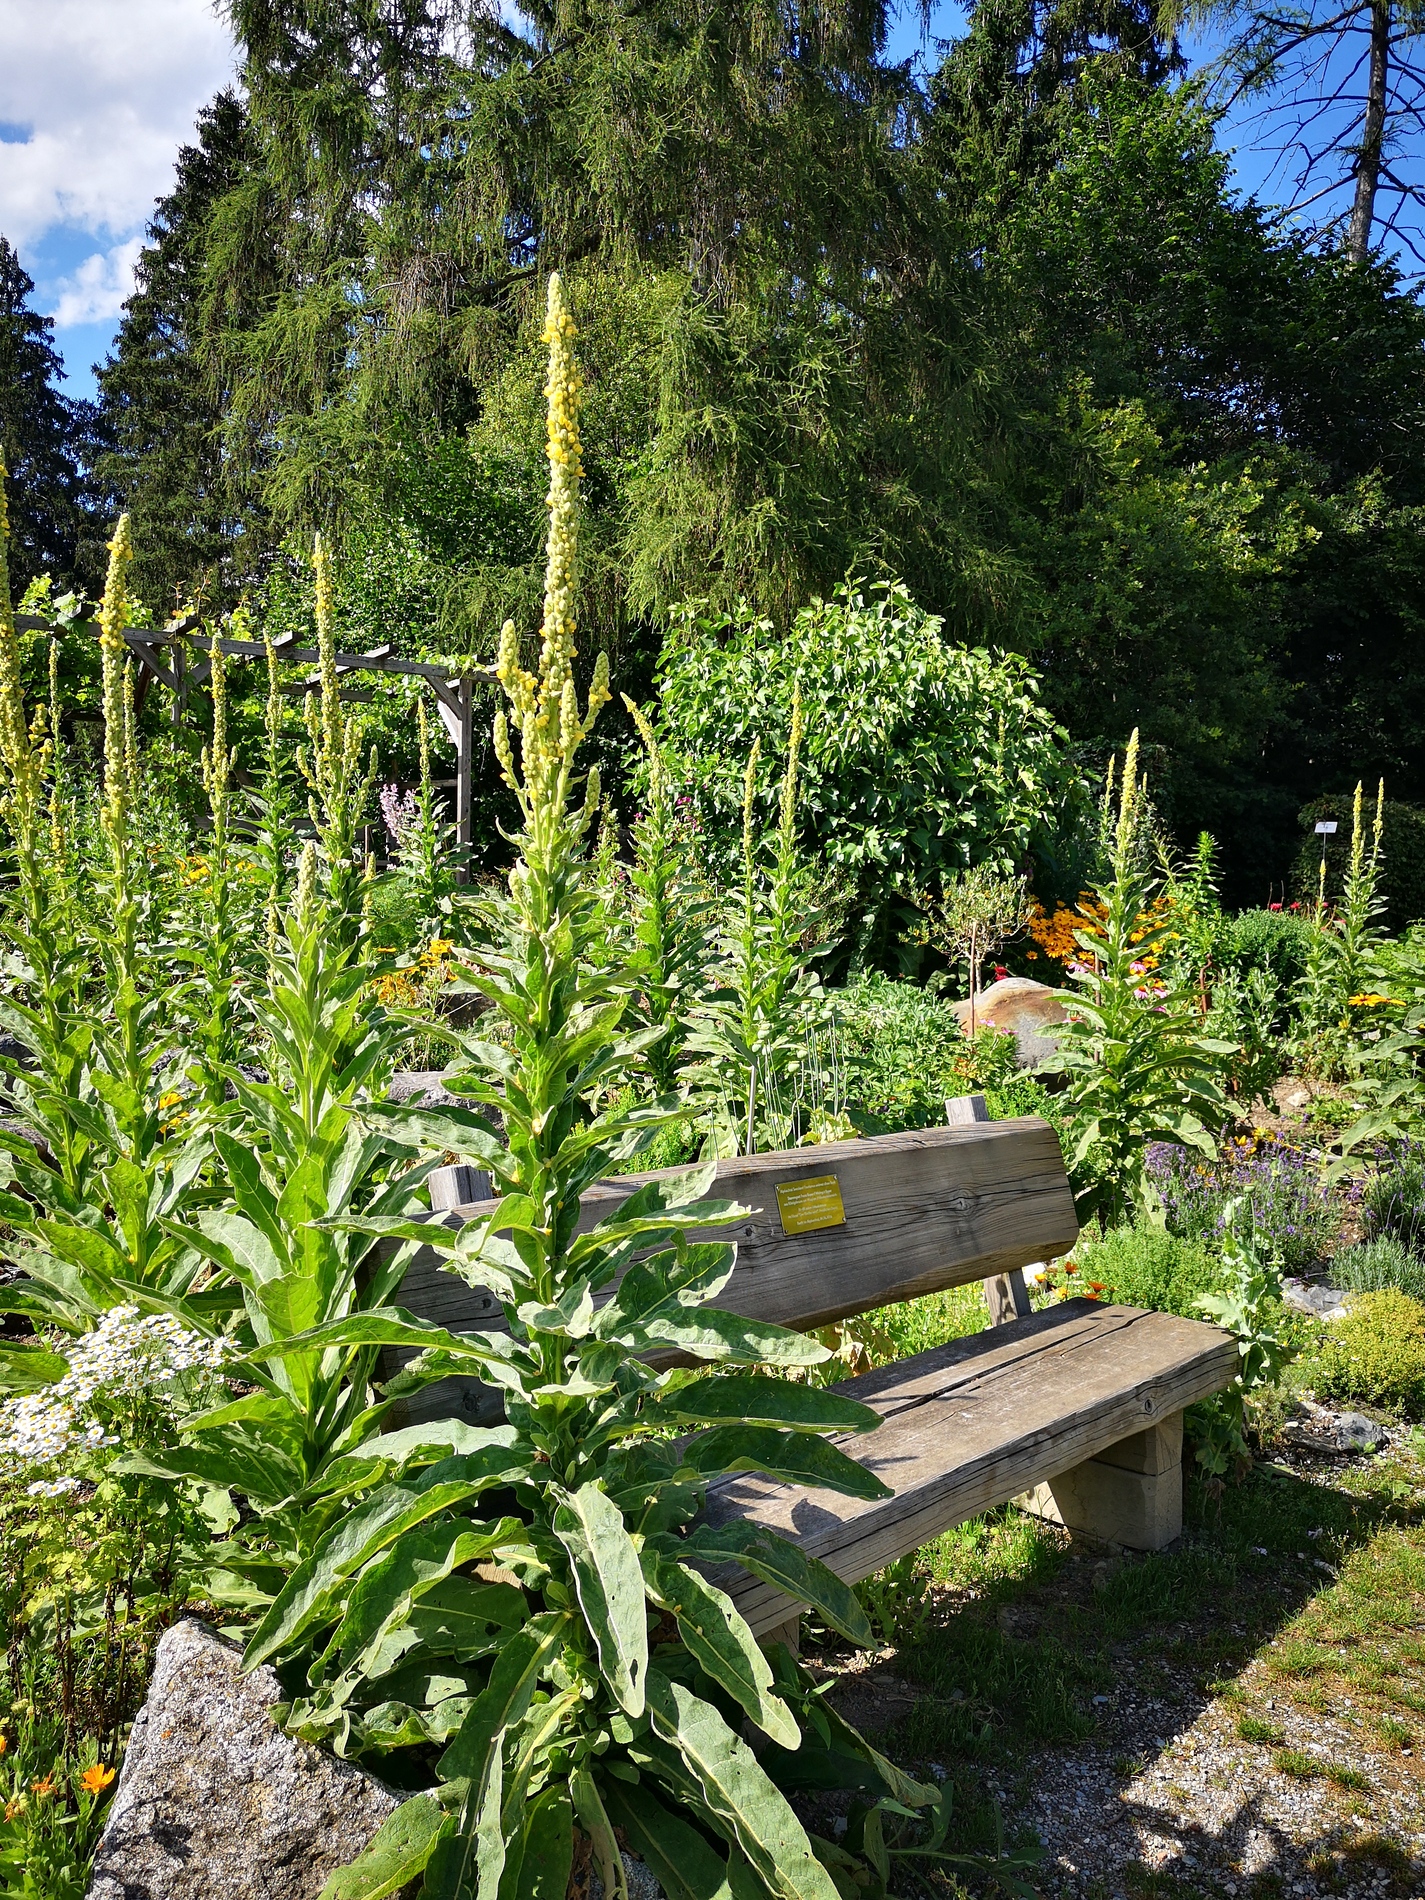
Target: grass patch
[(1250, 1729), (1344, 1777), (1302, 1767)]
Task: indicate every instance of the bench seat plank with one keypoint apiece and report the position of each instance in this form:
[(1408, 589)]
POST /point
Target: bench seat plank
[(974, 1423)]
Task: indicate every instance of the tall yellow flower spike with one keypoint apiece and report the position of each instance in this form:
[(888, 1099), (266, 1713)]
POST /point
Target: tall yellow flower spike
[(545, 710), (23, 757), (113, 618)]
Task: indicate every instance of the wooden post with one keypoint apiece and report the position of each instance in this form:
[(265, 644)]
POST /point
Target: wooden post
[(1006, 1295), (455, 700)]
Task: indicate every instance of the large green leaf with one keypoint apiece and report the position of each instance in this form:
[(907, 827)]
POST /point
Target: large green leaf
[(736, 1789), (25, 1368), (609, 1583), (312, 1591), (507, 1696), (548, 1847), (476, 1757), (708, 1332), (397, 1852), (795, 1457), (752, 1398), (458, 1131), (461, 1618), (721, 1643), (422, 1560), (776, 1561), (685, 1865)]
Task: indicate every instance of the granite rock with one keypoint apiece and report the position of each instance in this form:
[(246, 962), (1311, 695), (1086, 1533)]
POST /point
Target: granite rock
[(1019, 1007), (214, 1802)]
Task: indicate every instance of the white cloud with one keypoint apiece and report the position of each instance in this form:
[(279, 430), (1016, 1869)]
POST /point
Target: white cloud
[(95, 293), (105, 95)]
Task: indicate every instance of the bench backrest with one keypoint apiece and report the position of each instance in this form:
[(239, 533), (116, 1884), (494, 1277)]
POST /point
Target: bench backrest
[(849, 1226)]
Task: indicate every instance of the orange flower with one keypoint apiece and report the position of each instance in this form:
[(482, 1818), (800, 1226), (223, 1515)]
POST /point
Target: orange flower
[(4, 1743), (94, 1780), (43, 1787)]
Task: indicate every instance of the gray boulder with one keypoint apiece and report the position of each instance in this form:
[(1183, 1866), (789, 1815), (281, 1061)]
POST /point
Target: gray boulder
[(214, 1802)]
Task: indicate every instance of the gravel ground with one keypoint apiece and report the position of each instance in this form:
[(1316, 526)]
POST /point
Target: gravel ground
[(1176, 1795)]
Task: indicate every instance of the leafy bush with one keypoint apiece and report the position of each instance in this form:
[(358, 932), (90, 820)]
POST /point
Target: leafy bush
[(1141, 1266), (1276, 941), (920, 755), (1376, 1353), (1292, 1212), (1374, 1265), (902, 1054)]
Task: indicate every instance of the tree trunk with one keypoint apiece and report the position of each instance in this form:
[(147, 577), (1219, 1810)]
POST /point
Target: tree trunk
[(1368, 160)]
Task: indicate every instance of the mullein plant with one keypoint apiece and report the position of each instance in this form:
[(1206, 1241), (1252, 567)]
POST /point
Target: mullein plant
[(274, 834), (594, 1679), (672, 918), (1343, 948), (1138, 1067), (339, 784), (750, 1031), (104, 1088)]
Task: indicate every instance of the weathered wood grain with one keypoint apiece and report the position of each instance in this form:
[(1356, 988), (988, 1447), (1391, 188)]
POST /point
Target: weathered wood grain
[(975, 1423), (1006, 1295), (932, 1208)]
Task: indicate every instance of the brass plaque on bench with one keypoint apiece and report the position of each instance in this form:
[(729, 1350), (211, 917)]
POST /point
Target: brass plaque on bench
[(807, 1206)]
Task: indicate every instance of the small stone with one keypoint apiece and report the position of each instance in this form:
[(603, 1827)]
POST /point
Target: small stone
[(1355, 1432), (642, 1884), (214, 1802)]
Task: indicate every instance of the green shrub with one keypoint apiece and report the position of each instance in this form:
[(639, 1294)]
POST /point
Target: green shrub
[(1374, 1265), (1140, 1267), (1376, 1354), (1272, 940), (921, 756)]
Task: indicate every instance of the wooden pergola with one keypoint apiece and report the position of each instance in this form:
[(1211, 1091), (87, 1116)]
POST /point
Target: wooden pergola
[(163, 655)]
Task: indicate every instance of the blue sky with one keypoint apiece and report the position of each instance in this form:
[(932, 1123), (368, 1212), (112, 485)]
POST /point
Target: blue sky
[(95, 100)]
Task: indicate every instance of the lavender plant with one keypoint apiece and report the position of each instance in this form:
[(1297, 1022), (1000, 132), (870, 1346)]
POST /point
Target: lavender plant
[(1294, 1216)]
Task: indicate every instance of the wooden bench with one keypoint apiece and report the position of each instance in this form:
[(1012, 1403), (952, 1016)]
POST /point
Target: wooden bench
[(1075, 1411)]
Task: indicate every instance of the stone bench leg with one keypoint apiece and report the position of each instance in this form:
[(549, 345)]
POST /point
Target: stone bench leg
[(1130, 1494)]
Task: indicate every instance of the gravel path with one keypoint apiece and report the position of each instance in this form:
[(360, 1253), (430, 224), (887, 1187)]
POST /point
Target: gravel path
[(1168, 1797)]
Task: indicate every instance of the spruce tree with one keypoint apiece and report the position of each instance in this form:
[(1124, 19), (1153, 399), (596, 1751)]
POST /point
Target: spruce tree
[(39, 427), (161, 459)]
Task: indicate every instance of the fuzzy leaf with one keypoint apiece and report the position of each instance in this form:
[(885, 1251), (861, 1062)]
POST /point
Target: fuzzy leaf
[(774, 1560), (794, 1457), (738, 1792), (754, 1399), (609, 1583), (721, 1643), (684, 1864)]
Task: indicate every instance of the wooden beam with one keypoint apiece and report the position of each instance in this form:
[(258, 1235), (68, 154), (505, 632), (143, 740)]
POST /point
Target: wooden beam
[(931, 1208)]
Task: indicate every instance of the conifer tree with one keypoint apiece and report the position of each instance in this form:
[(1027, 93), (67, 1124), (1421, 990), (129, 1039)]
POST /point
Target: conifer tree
[(39, 428), (161, 416)]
